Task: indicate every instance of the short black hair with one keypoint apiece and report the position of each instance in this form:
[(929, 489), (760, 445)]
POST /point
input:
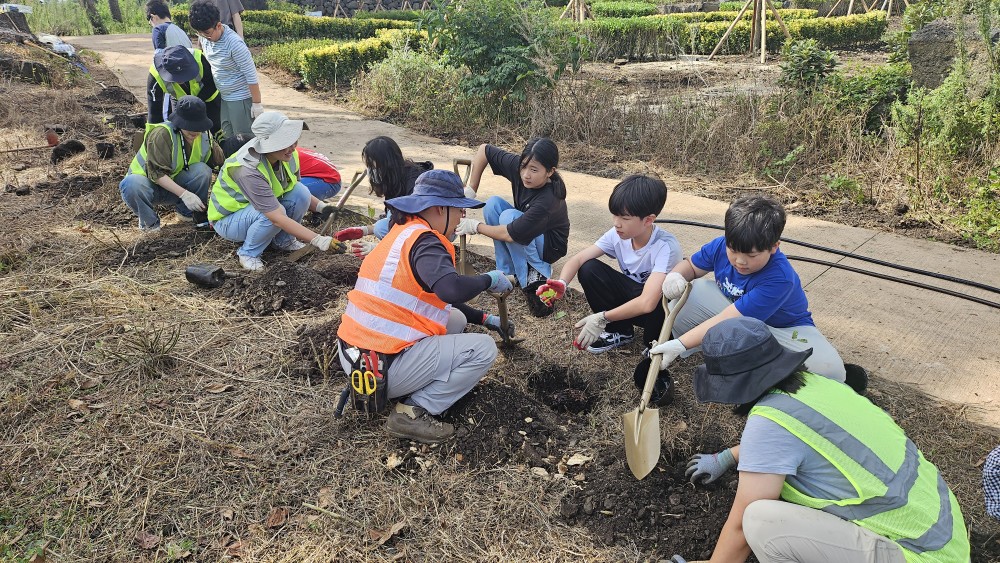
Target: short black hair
[(754, 223), (203, 15), (638, 196), (234, 143), (157, 8)]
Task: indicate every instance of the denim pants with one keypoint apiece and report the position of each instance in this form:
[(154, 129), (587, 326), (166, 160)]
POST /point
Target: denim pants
[(141, 194), (255, 230), (514, 258), (382, 226), (320, 189)]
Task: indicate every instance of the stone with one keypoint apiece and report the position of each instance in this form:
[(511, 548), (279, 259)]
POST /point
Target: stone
[(621, 62), (932, 50)]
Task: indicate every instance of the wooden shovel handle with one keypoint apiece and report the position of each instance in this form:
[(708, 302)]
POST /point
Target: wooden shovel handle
[(468, 169), (657, 359)]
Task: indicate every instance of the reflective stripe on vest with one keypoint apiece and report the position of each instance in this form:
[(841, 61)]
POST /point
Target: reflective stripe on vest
[(387, 311), (194, 85), (900, 495), (201, 151), (227, 197)]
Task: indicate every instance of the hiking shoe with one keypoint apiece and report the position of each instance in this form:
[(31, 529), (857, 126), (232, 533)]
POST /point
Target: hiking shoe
[(184, 217), (292, 245), (609, 341), (535, 304), (415, 423), (534, 276), (251, 263)]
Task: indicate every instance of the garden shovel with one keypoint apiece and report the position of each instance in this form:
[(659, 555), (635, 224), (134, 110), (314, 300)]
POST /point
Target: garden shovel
[(505, 317), (328, 224), (464, 268), (642, 425)]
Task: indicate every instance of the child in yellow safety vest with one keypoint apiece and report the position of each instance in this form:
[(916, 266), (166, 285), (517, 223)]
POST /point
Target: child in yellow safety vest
[(177, 72)]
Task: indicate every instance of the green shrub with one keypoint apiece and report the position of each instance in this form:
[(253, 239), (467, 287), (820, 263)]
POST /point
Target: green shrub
[(401, 15), (636, 38), (730, 16), (622, 9), (254, 31), (871, 93), (288, 56), (916, 16), (267, 27), (840, 32), (805, 65), (282, 6), (731, 6), (58, 18), (338, 63)]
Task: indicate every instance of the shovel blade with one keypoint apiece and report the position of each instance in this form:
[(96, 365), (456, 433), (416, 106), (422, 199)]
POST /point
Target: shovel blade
[(642, 440), (464, 268)]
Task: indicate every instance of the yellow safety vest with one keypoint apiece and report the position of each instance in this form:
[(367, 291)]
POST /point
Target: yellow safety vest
[(900, 495), (201, 151), (195, 84), (227, 196)]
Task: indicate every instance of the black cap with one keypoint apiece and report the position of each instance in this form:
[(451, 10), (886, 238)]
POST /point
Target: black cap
[(190, 114), (176, 64)]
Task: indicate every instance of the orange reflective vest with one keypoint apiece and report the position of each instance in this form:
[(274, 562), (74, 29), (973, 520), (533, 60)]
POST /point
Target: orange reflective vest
[(387, 311)]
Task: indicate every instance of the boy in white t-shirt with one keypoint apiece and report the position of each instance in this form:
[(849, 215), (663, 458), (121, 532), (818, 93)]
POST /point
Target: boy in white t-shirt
[(645, 253)]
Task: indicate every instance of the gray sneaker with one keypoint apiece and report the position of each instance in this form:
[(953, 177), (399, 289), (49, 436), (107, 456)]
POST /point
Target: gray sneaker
[(415, 423)]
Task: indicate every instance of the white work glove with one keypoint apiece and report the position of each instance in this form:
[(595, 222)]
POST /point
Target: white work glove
[(362, 248), (673, 286), (470, 193), (321, 242), (256, 109), (591, 328), (670, 350), (192, 201), (467, 226)]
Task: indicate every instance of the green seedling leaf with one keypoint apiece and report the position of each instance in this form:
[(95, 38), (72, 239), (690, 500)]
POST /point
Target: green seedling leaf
[(559, 315)]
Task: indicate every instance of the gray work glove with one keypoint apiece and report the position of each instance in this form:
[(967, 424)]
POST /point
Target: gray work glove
[(705, 468), (499, 282)]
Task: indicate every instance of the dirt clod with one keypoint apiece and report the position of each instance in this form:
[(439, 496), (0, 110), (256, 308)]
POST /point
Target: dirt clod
[(341, 269), (66, 149), (286, 286)]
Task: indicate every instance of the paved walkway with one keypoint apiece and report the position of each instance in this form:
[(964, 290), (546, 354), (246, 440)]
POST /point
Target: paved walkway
[(905, 334)]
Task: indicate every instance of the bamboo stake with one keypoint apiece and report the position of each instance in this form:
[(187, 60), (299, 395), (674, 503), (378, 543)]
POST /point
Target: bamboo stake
[(730, 30)]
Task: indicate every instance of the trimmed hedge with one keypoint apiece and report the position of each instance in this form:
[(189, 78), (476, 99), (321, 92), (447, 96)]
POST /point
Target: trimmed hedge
[(288, 56), (731, 6), (267, 27), (622, 9), (400, 15), (728, 17), (338, 63), (859, 29), (636, 38)]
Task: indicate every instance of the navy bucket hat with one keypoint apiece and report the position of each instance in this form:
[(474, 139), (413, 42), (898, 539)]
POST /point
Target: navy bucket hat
[(176, 64), (432, 188), (742, 361)]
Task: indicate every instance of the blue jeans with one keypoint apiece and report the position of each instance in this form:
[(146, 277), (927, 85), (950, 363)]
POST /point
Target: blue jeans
[(255, 230), (141, 194), (320, 189), (514, 258)]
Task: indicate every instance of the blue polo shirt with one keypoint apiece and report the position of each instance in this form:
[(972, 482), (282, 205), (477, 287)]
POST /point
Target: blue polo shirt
[(773, 295)]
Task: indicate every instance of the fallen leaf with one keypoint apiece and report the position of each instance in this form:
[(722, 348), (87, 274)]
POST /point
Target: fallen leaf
[(158, 403), (90, 383), (579, 477), (393, 461), (277, 518), (147, 540), (559, 315), (78, 405), (227, 513), (218, 387), (75, 489), (540, 471), (459, 458), (326, 495), (235, 549), (382, 536), (681, 426), (578, 459), (562, 468)]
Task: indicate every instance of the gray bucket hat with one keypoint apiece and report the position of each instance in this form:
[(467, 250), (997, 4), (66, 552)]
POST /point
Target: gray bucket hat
[(742, 361), (435, 187)]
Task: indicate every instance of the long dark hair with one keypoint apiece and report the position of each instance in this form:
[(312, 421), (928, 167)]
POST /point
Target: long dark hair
[(789, 385), (383, 154), (546, 153)]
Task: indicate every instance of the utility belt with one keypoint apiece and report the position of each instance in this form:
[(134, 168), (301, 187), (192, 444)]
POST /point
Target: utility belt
[(368, 379)]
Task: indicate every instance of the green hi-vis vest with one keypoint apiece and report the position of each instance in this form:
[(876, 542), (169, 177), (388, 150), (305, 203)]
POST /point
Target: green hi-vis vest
[(900, 495), (201, 151), (194, 84), (227, 197)]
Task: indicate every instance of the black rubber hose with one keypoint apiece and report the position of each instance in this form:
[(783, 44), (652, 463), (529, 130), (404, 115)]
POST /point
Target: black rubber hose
[(895, 279), (945, 277)]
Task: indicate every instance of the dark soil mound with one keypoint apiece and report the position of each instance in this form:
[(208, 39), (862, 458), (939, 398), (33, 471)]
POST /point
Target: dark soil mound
[(317, 348), (112, 95), (70, 186), (285, 286), (562, 391), (170, 243), (341, 269), (663, 514)]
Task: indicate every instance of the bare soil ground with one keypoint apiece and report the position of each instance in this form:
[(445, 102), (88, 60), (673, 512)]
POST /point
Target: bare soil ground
[(148, 419)]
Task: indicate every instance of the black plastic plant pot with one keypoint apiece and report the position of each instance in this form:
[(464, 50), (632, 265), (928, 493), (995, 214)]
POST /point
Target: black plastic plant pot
[(663, 389)]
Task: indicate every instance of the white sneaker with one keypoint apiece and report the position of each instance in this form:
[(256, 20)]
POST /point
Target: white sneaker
[(147, 230), (251, 263), (291, 246)]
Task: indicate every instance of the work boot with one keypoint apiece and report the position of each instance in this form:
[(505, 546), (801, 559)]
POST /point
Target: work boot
[(415, 423)]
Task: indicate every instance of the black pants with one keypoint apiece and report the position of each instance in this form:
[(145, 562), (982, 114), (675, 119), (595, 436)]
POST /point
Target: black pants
[(607, 288)]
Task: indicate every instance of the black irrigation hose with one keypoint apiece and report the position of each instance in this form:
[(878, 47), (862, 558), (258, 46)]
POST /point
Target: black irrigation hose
[(945, 277), (895, 279)]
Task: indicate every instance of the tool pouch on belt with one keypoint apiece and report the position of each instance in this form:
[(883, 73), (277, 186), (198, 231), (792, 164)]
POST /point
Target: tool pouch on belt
[(368, 378)]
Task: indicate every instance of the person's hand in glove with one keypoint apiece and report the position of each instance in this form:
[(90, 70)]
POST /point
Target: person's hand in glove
[(325, 243), (362, 248), (670, 350), (673, 286), (351, 233), (591, 328), (192, 202), (550, 291), (256, 109), (705, 468), (467, 226), (325, 209), (499, 282), (470, 193)]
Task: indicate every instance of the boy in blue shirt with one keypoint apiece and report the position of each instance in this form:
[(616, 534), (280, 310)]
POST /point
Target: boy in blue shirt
[(645, 253), (752, 279)]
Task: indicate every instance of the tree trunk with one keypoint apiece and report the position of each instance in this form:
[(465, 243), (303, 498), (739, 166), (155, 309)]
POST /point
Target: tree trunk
[(116, 11), (90, 6)]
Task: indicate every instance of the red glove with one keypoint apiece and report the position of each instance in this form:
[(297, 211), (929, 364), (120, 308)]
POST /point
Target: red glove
[(550, 291), (351, 233)]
